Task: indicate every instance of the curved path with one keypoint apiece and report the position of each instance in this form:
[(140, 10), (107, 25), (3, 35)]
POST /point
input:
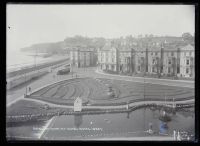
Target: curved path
[(90, 91), (91, 88), (97, 92), (138, 103), (168, 82)]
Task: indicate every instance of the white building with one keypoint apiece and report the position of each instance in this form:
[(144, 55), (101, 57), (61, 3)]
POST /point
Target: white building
[(78, 105), (187, 63)]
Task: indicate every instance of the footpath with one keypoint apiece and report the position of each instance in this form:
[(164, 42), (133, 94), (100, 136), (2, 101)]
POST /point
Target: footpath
[(50, 78), (168, 82), (16, 94)]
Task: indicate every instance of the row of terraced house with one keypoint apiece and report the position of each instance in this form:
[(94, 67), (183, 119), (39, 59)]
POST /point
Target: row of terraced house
[(82, 56), (160, 59)]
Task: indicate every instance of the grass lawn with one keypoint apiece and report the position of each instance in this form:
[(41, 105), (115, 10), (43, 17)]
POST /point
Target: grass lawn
[(106, 91)]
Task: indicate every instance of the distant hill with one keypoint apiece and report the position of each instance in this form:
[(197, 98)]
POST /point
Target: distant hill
[(57, 47), (63, 46), (99, 42)]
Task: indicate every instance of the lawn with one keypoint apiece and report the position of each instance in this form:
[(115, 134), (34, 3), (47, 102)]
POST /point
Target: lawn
[(107, 91)]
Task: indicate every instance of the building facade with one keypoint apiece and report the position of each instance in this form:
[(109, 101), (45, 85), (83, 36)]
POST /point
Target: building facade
[(156, 59), (82, 57), (107, 58), (187, 61)]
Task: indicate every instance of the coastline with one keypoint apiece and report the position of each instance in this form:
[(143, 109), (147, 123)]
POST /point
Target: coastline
[(24, 74), (39, 60)]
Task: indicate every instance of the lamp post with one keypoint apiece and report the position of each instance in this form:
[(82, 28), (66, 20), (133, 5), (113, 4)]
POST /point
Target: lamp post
[(35, 58), (71, 69), (26, 85)]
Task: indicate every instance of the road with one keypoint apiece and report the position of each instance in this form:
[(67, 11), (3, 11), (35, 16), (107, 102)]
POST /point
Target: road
[(50, 78), (17, 94), (93, 72)]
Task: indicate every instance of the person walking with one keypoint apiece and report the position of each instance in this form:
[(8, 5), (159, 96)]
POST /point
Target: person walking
[(29, 89)]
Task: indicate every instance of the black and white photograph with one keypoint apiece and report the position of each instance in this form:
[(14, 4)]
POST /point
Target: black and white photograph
[(100, 72)]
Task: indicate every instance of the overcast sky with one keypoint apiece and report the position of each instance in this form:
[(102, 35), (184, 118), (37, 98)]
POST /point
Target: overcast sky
[(31, 24)]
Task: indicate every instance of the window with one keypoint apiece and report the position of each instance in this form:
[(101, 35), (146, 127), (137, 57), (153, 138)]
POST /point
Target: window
[(187, 62), (107, 67), (154, 61), (113, 67), (112, 59), (187, 70), (106, 58), (178, 70), (128, 60), (151, 53), (190, 53), (156, 53), (169, 61), (172, 53), (153, 69), (138, 68), (142, 60), (106, 54), (169, 70)]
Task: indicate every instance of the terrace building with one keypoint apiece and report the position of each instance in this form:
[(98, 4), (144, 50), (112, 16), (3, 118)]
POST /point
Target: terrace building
[(154, 59), (140, 61), (171, 60), (178, 60), (116, 58), (107, 58), (162, 59), (187, 62), (82, 56), (125, 60)]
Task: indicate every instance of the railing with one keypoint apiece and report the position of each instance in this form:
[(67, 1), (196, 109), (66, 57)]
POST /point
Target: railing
[(28, 69)]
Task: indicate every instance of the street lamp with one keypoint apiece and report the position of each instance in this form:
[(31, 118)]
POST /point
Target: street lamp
[(35, 57), (71, 66), (26, 83)]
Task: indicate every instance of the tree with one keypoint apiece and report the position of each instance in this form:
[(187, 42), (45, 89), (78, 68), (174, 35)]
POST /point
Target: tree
[(187, 37)]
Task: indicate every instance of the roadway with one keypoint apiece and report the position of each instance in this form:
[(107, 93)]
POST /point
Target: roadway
[(17, 93), (50, 78)]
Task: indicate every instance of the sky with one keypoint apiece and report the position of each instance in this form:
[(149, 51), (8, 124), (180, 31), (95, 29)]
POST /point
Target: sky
[(31, 24)]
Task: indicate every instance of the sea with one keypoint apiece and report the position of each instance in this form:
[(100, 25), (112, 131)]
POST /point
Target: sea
[(18, 59)]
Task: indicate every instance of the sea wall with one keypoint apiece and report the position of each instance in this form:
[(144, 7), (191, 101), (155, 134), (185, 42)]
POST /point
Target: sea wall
[(25, 78), (32, 68), (21, 76)]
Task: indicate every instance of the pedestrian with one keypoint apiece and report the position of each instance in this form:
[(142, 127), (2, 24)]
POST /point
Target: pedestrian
[(178, 136), (29, 89)]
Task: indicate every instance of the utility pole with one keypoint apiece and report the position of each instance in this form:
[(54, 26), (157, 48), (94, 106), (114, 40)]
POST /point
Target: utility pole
[(35, 58), (146, 65), (26, 83), (71, 69)]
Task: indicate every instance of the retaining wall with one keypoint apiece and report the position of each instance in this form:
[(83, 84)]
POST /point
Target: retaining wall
[(29, 74)]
